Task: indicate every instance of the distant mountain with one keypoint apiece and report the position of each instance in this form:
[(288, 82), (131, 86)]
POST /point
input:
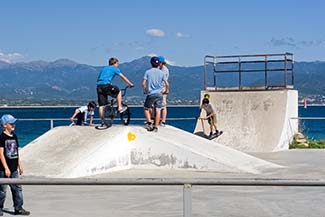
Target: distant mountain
[(67, 80), (185, 83), (310, 77), (62, 79)]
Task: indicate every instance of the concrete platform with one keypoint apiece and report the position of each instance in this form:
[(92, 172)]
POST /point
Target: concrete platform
[(166, 201)]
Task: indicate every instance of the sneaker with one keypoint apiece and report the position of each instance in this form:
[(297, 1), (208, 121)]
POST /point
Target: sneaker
[(163, 124), (21, 212), (102, 126), (148, 125), (153, 129), (210, 135), (123, 109)]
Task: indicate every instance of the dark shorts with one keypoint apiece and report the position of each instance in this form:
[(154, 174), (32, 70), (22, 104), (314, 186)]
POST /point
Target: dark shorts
[(151, 99), (80, 118), (212, 120), (103, 91)]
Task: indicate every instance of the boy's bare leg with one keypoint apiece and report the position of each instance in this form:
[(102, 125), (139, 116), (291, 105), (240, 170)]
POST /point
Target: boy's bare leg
[(157, 120), (119, 101), (147, 115), (101, 112), (150, 113), (215, 127), (211, 128), (164, 114)]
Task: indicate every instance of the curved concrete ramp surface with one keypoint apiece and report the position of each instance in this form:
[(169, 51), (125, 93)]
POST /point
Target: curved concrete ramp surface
[(254, 121), (68, 152)]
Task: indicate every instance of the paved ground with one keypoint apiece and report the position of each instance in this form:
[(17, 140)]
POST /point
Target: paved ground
[(227, 201)]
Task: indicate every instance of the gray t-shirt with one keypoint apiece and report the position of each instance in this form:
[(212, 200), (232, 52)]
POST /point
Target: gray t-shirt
[(155, 79), (209, 109)]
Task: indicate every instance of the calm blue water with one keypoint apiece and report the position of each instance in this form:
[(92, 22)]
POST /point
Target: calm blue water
[(30, 130), (314, 129)]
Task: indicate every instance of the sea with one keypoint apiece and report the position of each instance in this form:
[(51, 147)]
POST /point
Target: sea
[(183, 117)]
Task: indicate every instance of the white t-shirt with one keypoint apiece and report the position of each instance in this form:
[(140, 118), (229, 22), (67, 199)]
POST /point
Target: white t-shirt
[(86, 112)]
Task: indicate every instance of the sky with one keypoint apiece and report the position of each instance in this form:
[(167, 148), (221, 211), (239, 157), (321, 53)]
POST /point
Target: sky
[(183, 31)]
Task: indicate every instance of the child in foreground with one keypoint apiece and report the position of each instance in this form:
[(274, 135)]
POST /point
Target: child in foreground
[(10, 166)]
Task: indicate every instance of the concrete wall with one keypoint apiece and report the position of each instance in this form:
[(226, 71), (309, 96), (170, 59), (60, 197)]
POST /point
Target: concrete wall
[(254, 121)]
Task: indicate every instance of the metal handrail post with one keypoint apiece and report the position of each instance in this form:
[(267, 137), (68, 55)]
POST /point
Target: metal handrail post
[(51, 124), (265, 71), (187, 200), (285, 70), (239, 70), (204, 74), (215, 77), (292, 66)]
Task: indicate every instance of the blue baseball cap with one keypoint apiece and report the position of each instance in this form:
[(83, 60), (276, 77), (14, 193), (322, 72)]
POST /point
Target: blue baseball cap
[(8, 119), (162, 59)]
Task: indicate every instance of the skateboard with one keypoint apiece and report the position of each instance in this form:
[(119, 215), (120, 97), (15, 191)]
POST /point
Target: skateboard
[(215, 135), (202, 134)]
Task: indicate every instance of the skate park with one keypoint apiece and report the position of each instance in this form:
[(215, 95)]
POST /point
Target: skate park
[(258, 124)]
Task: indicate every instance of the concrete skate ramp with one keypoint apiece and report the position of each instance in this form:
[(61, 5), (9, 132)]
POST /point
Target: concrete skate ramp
[(68, 152), (254, 121)]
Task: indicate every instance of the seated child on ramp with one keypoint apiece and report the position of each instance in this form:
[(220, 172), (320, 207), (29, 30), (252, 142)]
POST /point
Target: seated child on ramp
[(82, 114)]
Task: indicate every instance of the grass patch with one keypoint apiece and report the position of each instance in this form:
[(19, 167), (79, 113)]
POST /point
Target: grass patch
[(312, 144)]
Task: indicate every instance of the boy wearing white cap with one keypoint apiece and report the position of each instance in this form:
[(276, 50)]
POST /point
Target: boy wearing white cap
[(10, 166)]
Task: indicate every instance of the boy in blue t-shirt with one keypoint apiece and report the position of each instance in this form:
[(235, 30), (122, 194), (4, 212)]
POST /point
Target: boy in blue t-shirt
[(105, 88), (154, 84)]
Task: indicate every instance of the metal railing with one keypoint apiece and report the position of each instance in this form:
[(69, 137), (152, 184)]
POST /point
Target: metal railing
[(51, 120), (186, 183), (260, 63), (309, 118)]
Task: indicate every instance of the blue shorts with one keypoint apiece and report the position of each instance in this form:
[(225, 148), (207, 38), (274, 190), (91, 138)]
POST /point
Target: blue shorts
[(154, 98)]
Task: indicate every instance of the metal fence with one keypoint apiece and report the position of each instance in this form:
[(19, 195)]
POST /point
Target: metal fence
[(52, 120), (186, 183), (274, 70)]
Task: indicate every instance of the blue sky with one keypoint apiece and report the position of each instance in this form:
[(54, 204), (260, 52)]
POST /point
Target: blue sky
[(183, 31)]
